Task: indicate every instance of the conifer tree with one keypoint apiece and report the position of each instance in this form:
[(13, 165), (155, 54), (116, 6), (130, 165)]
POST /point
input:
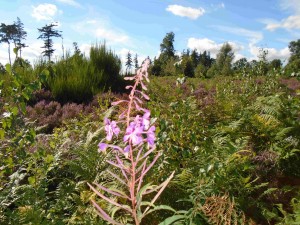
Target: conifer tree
[(128, 63), (20, 35), (47, 33), (136, 62)]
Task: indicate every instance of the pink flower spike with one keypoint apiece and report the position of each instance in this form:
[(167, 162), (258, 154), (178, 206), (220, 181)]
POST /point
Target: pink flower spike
[(129, 86)]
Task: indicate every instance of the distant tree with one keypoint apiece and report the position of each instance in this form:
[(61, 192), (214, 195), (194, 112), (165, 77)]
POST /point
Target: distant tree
[(167, 46), (20, 35), (195, 57), (205, 59), (169, 69), (157, 68), (76, 49), (136, 62), (294, 47), (8, 35), (224, 60), (47, 33), (200, 71), (241, 66), (293, 65), (262, 68), (275, 64), (188, 68), (128, 63)]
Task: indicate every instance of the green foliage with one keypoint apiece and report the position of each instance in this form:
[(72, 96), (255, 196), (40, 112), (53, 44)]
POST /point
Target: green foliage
[(224, 60), (77, 78)]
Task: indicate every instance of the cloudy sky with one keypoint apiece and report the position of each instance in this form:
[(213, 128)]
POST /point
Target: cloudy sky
[(139, 26)]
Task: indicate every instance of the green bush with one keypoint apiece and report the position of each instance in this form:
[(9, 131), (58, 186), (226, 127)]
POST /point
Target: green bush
[(78, 78)]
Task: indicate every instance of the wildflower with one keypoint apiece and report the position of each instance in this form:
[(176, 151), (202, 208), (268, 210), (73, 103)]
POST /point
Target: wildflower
[(134, 133), (151, 136), (111, 128), (146, 120)]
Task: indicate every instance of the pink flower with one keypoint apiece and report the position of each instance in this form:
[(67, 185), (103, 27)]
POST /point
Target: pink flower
[(151, 136), (102, 147), (134, 133), (111, 129), (146, 120)]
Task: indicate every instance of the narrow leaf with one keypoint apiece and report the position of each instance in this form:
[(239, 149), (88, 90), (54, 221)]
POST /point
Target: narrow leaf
[(160, 207), (108, 199), (110, 191), (172, 219), (117, 177), (160, 191), (103, 214), (149, 167)]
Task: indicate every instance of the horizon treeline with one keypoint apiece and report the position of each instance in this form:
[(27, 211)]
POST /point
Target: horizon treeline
[(190, 62)]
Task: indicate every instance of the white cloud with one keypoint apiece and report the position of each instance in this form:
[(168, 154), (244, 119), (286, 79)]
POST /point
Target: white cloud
[(290, 5), (3, 53), (253, 36), (44, 11), (273, 53), (218, 6), (101, 29), (206, 44), (70, 2), (289, 23), (111, 36), (191, 13)]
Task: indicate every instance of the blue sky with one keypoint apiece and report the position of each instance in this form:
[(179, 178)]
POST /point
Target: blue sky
[(139, 26)]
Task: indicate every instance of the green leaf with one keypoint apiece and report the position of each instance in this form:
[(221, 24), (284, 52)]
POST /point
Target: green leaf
[(25, 95), (172, 219), (2, 132), (31, 180), (49, 159), (16, 50), (142, 191), (160, 207), (8, 68), (15, 111)]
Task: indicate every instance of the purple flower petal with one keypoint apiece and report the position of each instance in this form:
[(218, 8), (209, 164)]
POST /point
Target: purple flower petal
[(102, 147), (127, 149)]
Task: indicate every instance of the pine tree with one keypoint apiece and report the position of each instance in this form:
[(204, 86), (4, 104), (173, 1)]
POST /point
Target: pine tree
[(20, 35), (128, 63), (47, 32), (136, 62)]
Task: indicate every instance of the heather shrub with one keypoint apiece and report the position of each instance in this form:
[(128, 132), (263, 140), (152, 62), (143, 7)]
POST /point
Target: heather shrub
[(46, 114)]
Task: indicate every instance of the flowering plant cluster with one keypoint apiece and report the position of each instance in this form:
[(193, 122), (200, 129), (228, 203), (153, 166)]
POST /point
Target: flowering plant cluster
[(132, 155)]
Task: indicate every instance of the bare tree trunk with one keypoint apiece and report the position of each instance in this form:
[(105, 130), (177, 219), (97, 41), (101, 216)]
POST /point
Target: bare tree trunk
[(9, 55)]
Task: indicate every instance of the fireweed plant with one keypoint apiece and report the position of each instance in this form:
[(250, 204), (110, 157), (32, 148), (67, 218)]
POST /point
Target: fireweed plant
[(132, 155)]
